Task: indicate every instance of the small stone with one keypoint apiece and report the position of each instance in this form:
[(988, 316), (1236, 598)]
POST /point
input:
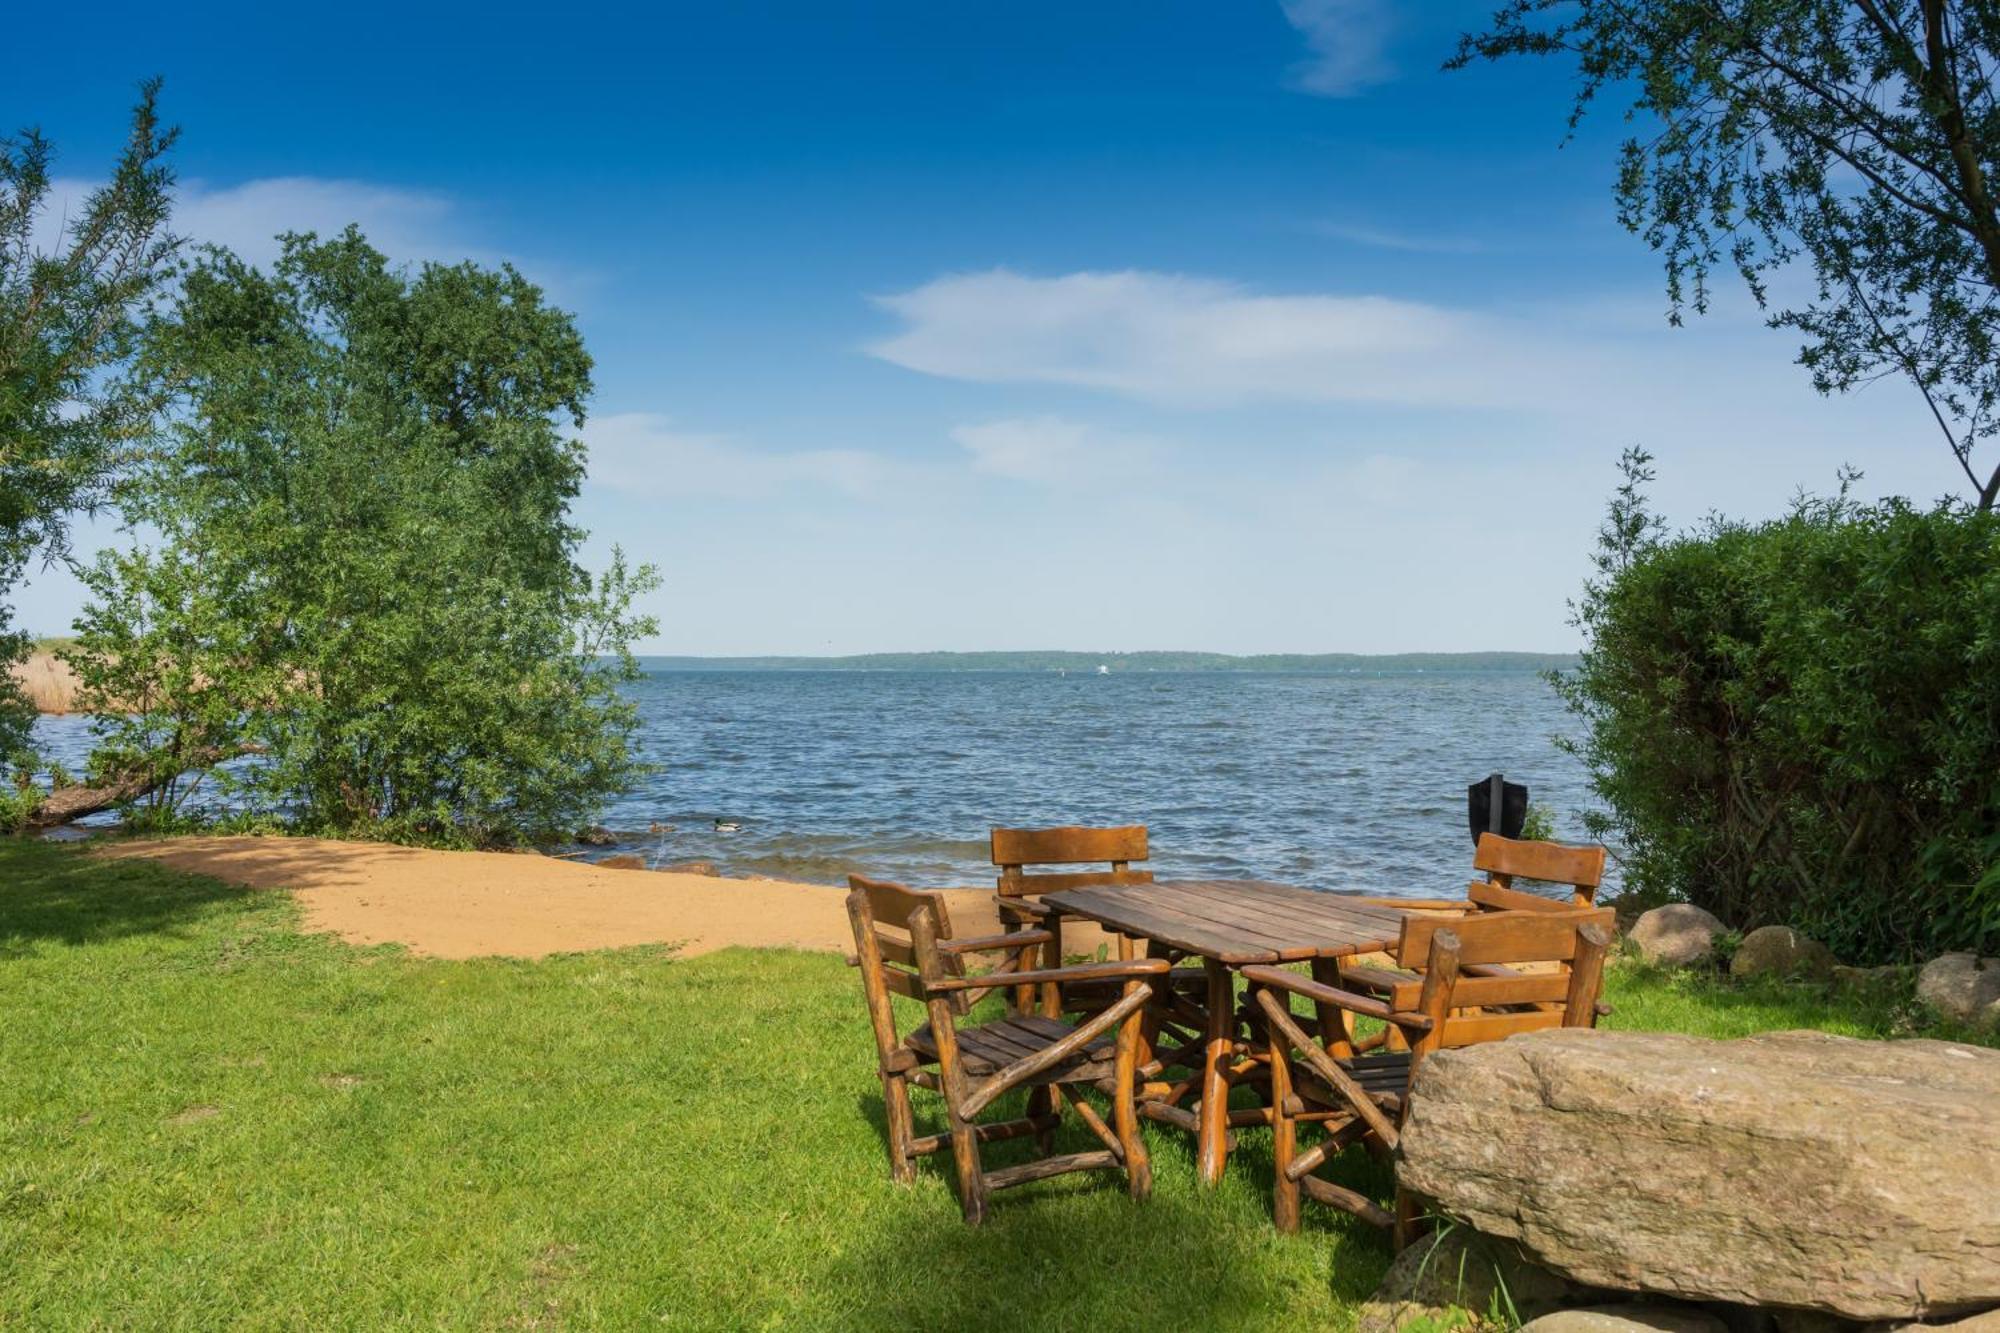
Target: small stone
[(1783, 952), (623, 861), (1962, 986), (597, 836), (690, 868), (1979, 1323), (1867, 978), (1677, 935), (1462, 1268), (1628, 1319)]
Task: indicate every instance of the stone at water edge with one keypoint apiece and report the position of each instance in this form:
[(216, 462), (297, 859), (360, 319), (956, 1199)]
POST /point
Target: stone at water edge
[(1783, 952), (622, 861), (597, 836), (690, 868), (1676, 935), (1962, 986), (1785, 1169), (1628, 1319)]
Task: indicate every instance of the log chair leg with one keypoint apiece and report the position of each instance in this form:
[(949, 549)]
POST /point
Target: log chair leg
[(1213, 1135), (1124, 1096), (902, 1129), (1042, 1100), (1284, 1134), (1409, 1219), (1336, 1025)]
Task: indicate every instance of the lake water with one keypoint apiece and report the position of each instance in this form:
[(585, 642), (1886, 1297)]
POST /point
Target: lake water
[(1335, 781)]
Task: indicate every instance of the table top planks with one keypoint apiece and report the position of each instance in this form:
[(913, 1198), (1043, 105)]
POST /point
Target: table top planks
[(1237, 921)]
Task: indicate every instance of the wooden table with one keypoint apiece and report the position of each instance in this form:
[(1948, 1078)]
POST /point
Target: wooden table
[(1230, 923)]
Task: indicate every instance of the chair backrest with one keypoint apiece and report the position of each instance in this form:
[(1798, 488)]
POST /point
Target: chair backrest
[(1015, 849), (896, 930), (1505, 859), (1480, 1006)]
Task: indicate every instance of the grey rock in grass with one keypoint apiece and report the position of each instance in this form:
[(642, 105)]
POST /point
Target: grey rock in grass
[(1962, 986), (1786, 1169), (1676, 935), (1628, 1319), (1868, 978), (1782, 952)]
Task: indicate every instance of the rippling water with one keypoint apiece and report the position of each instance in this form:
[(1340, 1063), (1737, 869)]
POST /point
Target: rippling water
[(1337, 781)]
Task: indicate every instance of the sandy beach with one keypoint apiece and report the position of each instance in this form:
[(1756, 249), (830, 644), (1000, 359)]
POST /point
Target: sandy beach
[(477, 904)]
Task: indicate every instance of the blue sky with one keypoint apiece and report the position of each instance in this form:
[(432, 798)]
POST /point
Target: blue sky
[(1233, 325)]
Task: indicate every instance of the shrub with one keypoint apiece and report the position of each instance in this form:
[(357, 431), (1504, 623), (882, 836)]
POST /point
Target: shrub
[(1798, 721)]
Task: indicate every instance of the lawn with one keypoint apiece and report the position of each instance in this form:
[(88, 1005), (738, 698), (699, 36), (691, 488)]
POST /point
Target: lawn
[(210, 1119)]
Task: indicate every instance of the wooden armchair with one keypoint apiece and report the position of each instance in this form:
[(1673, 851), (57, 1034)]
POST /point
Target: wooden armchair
[(1364, 1097), (1015, 850), (904, 946), (1581, 869)]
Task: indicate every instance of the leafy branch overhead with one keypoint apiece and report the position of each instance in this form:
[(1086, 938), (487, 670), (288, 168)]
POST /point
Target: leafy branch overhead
[(1859, 136)]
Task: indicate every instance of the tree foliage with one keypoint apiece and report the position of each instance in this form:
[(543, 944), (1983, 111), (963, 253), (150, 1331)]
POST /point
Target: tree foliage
[(1858, 135), (68, 315), (1798, 721), (369, 572)]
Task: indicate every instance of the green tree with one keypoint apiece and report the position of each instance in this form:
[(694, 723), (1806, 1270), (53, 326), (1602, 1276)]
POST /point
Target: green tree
[(1858, 135), (68, 316), (374, 470)]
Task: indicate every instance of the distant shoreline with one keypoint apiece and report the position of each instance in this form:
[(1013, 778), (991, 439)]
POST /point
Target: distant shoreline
[(1084, 662)]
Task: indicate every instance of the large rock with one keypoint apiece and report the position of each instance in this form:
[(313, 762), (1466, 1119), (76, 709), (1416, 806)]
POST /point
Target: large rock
[(1675, 935), (1791, 1168), (1783, 952), (1628, 1319), (1962, 986)]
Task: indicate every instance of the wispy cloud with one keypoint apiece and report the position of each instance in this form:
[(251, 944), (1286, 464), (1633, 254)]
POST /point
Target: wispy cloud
[(1050, 450), (408, 225), (643, 454), (1348, 40), (1176, 339), (1384, 238)]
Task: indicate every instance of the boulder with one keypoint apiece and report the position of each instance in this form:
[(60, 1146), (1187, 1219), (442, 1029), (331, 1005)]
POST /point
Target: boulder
[(1675, 935), (1457, 1266), (1627, 1319), (1789, 1169), (623, 861), (597, 836), (690, 868), (1962, 986), (1783, 952), (1979, 1323)]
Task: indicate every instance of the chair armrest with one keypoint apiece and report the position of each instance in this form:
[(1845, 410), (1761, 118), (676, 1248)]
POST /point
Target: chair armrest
[(1278, 978), (990, 943), (1034, 907), (1460, 905), (1138, 967)]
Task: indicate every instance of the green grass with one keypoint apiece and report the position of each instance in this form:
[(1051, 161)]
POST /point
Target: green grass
[(209, 1119)]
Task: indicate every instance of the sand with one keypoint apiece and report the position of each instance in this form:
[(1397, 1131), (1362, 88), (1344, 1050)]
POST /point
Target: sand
[(479, 904)]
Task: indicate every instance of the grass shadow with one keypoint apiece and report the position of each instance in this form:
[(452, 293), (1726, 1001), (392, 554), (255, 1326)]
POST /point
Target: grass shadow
[(61, 893)]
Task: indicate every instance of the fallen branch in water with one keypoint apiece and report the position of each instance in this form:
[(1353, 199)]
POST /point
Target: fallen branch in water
[(66, 805)]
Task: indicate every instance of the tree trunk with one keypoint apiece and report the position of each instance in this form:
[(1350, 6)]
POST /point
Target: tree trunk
[(66, 805)]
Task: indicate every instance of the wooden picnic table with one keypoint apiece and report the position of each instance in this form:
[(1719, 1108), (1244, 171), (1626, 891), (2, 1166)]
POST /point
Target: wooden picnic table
[(1229, 923)]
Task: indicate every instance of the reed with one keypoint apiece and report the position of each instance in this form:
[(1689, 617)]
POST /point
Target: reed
[(48, 682)]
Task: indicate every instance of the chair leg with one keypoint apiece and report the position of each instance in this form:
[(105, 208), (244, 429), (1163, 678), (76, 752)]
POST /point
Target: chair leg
[(1042, 1100), (1125, 1109), (1410, 1222), (1284, 1135), (902, 1129), (971, 1178)]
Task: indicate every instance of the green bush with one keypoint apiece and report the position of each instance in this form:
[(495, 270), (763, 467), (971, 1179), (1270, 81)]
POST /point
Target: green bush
[(1798, 721)]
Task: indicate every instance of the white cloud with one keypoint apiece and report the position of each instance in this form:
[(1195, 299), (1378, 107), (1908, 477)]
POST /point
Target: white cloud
[(1049, 450), (1177, 339), (641, 454), (409, 226), (1347, 40), (1383, 238)]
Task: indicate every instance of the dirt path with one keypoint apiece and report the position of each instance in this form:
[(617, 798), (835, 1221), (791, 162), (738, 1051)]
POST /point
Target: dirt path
[(474, 904)]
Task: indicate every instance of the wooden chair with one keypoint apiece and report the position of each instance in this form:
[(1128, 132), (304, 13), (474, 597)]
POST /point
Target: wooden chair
[(1364, 1097), (1581, 869), (1016, 850), (904, 946)]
